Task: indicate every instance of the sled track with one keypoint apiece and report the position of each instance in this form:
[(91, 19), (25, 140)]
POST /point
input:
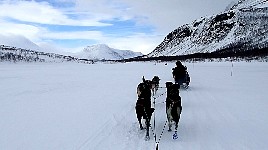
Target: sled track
[(114, 125)]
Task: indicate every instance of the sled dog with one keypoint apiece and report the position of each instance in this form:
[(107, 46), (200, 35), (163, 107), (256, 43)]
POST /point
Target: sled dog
[(143, 105), (173, 104), (155, 84)]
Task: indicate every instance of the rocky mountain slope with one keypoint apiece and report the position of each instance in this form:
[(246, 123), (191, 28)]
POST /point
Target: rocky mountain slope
[(242, 27)]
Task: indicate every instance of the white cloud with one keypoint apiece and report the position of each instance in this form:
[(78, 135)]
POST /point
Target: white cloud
[(164, 15), (74, 35), (27, 18), (43, 13), (29, 31), (168, 15), (104, 9), (139, 42)]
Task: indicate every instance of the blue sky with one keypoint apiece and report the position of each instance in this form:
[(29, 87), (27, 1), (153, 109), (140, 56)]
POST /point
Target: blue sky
[(71, 25)]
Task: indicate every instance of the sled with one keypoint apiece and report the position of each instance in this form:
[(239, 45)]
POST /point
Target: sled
[(185, 81)]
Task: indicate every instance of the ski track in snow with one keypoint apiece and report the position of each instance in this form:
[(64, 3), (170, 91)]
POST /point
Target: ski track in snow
[(83, 107)]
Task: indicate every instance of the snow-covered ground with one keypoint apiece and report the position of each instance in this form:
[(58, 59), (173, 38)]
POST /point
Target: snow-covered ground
[(68, 106)]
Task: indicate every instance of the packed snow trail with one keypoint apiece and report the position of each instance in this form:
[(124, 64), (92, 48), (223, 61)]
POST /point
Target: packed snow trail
[(82, 107)]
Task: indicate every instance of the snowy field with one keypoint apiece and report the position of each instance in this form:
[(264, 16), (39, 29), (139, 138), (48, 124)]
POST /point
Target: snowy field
[(69, 106)]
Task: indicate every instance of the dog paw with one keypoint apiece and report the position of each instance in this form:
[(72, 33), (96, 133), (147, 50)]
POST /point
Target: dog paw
[(147, 138)]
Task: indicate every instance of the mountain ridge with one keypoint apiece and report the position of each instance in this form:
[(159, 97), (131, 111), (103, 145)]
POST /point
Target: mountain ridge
[(14, 54), (238, 28), (13, 44), (104, 52)]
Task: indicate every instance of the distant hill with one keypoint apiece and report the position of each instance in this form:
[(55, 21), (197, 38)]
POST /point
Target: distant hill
[(17, 45), (14, 54), (104, 52), (18, 41)]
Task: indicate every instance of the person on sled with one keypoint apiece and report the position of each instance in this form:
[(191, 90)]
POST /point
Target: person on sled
[(180, 74)]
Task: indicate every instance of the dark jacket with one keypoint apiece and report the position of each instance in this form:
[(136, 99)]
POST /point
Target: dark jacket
[(179, 72)]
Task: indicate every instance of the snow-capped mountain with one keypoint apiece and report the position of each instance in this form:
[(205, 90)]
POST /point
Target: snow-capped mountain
[(18, 41), (243, 26), (15, 44), (104, 52)]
